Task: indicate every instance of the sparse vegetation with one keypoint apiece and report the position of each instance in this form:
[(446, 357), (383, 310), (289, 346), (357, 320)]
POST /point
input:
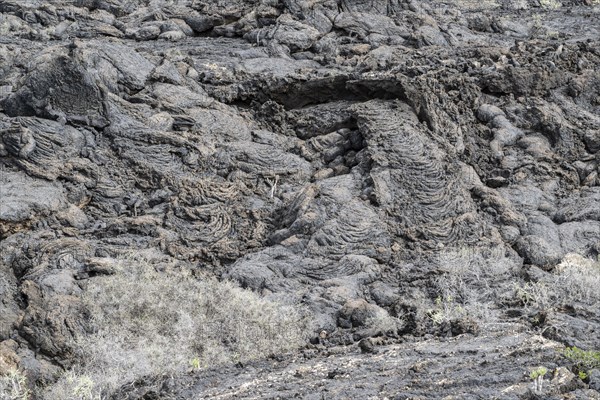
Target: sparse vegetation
[(149, 322), (13, 386)]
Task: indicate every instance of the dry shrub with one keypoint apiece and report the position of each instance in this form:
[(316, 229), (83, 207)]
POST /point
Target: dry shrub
[(383, 323), (550, 4), (472, 281), (13, 385), (574, 281), (153, 323), (577, 279)]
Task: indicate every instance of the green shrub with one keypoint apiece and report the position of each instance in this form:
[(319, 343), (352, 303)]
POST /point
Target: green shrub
[(151, 323), (584, 360)]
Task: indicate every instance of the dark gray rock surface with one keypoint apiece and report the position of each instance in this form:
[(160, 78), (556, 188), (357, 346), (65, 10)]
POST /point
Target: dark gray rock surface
[(429, 163)]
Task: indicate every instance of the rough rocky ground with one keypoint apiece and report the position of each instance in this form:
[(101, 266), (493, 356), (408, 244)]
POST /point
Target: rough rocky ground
[(413, 370), (426, 161)]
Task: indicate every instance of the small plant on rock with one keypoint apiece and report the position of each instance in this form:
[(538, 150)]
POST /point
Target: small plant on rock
[(537, 375), (445, 310), (195, 363)]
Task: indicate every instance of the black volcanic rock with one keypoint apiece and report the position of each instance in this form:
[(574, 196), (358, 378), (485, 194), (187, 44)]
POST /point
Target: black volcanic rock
[(416, 175)]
